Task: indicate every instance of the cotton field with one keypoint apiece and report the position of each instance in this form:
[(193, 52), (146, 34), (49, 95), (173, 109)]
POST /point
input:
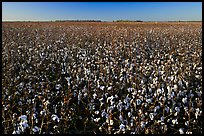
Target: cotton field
[(101, 78)]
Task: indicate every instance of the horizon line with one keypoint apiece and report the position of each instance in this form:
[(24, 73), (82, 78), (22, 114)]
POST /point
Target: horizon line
[(83, 20)]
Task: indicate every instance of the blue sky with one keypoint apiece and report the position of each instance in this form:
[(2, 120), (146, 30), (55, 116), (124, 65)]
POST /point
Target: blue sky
[(105, 11)]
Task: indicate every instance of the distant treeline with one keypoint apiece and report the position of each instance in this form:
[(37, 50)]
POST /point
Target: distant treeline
[(128, 21), (78, 21), (97, 21), (184, 21)]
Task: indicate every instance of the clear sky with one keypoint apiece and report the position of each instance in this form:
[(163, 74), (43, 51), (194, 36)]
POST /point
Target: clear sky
[(105, 11)]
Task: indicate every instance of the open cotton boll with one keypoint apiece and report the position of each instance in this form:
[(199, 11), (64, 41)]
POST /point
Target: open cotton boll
[(159, 91), (198, 76), (68, 80), (174, 121), (55, 118), (129, 89), (187, 123), (23, 124), (16, 132), (110, 99), (104, 114), (79, 97), (122, 127), (109, 88), (22, 117), (43, 112), (97, 112), (151, 115), (129, 114), (121, 118), (111, 122), (184, 100), (138, 101), (58, 86), (97, 119), (94, 95), (36, 129), (188, 132), (177, 109), (149, 100), (181, 131), (102, 87), (175, 87), (142, 124)]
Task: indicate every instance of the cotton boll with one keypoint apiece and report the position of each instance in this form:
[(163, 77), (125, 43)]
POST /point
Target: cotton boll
[(151, 115), (23, 125), (187, 123), (55, 118), (184, 100), (181, 131), (167, 109), (102, 87), (138, 101), (97, 120), (188, 132), (22, 117), (142, 124), (159, 91), (109, 88), (79, 97), (169, 89), (162, 119), (175, 87), (129, 90), (85, 94), (58, 86), (180, 83), (122, 127), (121, 118), (104, 114), (16, 132), (129, 114), (177, 109), (100, 128), (196, 115), (97, 112), (35, 129), (111, 122), (174, 121), (199, 93), (94, 95), (198, 76)]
